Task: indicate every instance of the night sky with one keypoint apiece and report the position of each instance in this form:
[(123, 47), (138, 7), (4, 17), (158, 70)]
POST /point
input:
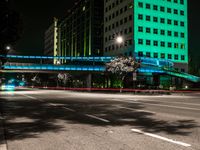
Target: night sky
[(37, 15)]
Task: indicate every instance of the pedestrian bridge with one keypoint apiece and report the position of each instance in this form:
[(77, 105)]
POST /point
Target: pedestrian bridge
[(97, 64)]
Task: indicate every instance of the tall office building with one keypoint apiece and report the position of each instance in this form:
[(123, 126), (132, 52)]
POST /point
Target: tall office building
[(81, 31), (150, 28), (51, 40)]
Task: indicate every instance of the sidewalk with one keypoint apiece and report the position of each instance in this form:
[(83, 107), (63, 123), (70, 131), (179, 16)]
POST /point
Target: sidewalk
[(3, 144)]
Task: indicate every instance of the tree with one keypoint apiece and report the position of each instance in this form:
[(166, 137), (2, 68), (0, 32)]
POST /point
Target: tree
[(121, 66), (64, 78)]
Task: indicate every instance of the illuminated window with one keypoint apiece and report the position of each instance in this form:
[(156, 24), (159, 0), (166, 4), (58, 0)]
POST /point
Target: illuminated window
[(175, 45), (182, 46)]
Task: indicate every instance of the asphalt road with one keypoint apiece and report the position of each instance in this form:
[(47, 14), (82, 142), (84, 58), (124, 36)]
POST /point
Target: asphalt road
[(64, 120)]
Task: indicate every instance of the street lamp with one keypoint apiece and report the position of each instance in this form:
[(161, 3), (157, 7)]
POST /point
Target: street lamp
[(119, 40), (8, 47)]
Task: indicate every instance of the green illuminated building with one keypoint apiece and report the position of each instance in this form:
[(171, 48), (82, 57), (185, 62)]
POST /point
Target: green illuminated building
[(150, 28), (81, 31)]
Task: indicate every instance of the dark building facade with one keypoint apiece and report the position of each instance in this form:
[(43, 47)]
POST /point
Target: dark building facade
[(80, 33)]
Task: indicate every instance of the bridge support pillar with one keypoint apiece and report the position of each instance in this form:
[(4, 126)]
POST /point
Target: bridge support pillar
[(89, 81)]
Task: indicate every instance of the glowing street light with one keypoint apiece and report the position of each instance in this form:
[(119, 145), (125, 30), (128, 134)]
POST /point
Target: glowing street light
[(119, 39), (8, 47)]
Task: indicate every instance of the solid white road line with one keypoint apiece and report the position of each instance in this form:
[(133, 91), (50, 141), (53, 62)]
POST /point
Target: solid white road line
[(162, 105), (95, 117), (137, 110), (161, 138), (72, 110)]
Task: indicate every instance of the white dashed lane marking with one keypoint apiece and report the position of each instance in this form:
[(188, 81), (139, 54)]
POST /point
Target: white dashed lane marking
[(161, 138)]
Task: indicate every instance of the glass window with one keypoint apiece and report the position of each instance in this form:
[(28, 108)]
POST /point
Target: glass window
[(162, 20), (169, 44), (148, 6), (147, 18), (162, 8), (175, 22), (182, 35), (175, 11), (155, 43), (148, 30), (162, 32), (162, 55), (169, 56), (140, 54), (140, 41), (176, 34), (148, 54), (169, 33), (181, 1), (182, 13), (155, 19), (182, 24), (169, 21), (162, 44), (155, 7), (182, 57), (155, 31), (169, 10), (140, 4), (140, 16), (155, 55), (176, 57), (148, 42)]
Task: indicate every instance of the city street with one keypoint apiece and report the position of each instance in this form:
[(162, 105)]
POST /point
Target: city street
[(33, 119)]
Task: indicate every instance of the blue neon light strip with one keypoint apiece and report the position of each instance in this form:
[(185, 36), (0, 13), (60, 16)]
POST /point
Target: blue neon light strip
[(104, 59), (61, 68)]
